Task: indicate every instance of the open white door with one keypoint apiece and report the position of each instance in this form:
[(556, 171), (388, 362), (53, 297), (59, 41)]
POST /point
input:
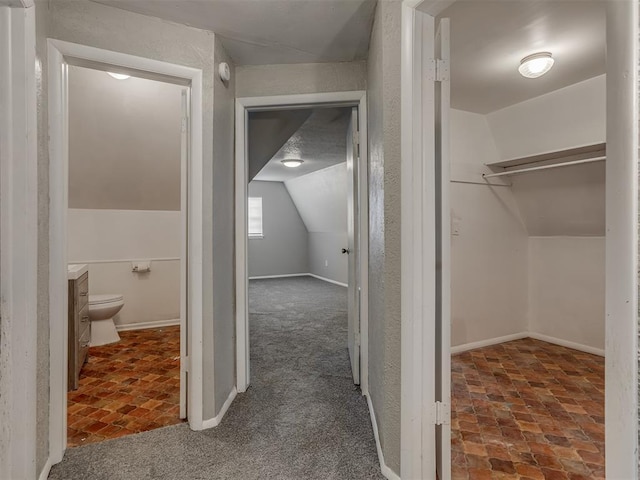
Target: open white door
[(184, 176), (352, 250), (443, 253)]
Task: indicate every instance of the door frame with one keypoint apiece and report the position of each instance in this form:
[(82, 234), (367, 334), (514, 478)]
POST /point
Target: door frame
[(282, 102), (418, 295), (18, 238), (61, 54)]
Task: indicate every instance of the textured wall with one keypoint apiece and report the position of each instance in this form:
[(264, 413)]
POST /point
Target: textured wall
[(264, 80), (223, 236), (285, 247), (383, 82), (124, 142)]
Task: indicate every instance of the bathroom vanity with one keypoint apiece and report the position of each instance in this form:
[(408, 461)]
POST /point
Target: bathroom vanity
[(79, 324)]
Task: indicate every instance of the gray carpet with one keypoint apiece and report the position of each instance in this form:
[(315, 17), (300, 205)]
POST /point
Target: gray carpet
[(302, 417)]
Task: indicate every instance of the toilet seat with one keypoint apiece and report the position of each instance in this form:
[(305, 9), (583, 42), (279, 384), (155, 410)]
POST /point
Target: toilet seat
[(105, 298)]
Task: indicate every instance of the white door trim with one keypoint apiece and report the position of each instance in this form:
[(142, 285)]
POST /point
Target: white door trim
[(60, 53), (18, 238), (243, 106), (621, 301)]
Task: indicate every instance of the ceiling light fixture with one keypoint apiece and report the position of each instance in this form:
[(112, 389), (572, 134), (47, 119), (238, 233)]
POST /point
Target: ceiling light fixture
[(536, 65), (119, 76), (292, 162)]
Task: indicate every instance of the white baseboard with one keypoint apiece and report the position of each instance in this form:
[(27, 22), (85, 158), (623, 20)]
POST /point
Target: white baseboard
[(517, 336), (567, 343), (145, 325), (327, 280), (488, 342), (44, 474), (264, 277), (215, 421), (386, 471)]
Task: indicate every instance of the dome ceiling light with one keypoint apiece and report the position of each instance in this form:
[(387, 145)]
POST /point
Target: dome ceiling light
[(536, 65), (292, 162)]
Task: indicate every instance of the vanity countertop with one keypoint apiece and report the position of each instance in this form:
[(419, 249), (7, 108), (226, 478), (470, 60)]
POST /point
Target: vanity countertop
[(76, 270)]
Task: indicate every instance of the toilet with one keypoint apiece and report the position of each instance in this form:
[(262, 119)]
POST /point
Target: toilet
[(102, 309)]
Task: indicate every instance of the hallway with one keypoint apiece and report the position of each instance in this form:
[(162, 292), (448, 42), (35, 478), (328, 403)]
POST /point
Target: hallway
[(302, 417)]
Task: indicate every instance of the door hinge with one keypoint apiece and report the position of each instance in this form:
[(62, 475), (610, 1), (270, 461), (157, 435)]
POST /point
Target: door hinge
[(357, 339), (184, 363), (442, 413), (184, 124), (438, 70)]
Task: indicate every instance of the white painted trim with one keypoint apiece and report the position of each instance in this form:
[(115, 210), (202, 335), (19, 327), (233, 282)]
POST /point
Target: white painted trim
[(324, 279), (126, 260), (126, 327), (418, 252), (19, 236), (59, 53), (215, 421), (44, 474), (621, 277), (566, 343), (385, 470), (243, 106), (287, 275), (465, 347)]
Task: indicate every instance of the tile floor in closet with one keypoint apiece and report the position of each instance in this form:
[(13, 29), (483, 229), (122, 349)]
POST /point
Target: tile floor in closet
[(127, 387), (527, 410)]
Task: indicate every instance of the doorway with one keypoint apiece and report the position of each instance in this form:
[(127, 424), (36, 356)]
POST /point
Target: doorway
[(621, 241), (62, 57), (358, 269), (125, 216)]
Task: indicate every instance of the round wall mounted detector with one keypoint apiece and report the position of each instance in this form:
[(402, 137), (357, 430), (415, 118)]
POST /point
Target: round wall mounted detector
[(224, 71)]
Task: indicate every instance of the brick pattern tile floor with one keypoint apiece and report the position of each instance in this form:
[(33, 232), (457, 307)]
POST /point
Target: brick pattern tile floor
[(527, 410), (127, 387)]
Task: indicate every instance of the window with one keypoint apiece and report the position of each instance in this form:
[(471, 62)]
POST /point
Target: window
[(255, 217)]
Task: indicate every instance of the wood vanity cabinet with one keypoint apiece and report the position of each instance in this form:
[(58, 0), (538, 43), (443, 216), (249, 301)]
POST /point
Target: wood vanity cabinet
[(79, 327)]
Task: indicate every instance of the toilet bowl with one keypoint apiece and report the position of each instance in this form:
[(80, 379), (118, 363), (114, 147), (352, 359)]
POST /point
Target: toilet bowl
[(102, 309)]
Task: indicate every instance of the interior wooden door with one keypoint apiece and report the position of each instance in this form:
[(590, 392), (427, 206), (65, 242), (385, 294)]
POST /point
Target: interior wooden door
[(184, 325), (352, 250), (443, 253)]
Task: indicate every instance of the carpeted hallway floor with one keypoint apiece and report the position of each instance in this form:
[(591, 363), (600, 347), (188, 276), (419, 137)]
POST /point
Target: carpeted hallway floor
[(302, 418)]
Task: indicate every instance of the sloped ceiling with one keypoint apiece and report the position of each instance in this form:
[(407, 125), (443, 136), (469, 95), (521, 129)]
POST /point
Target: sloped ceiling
[(321, 198), (320, 142), (489, 38), (268, 132), (264, 32)]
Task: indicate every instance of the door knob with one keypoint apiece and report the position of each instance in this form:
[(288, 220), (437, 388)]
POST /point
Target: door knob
[(346, 250)]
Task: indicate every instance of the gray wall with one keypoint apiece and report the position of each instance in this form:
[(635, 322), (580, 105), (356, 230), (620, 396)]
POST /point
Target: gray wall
[(321, 199), (384, 226), (285, 246), (124, 142), (259, 80), (220, 265), (100, 26), (325, 257)]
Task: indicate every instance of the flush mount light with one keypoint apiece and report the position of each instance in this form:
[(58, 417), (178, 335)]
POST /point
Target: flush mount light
[(536, 65), (119, 76), (292, 162)]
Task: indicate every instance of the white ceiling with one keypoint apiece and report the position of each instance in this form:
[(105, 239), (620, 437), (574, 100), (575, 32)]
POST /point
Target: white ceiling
[(263, 32), (489, 38), (320, 142)]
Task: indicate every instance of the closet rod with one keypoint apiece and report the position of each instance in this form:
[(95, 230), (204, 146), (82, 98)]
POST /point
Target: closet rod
[(544, 167)]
